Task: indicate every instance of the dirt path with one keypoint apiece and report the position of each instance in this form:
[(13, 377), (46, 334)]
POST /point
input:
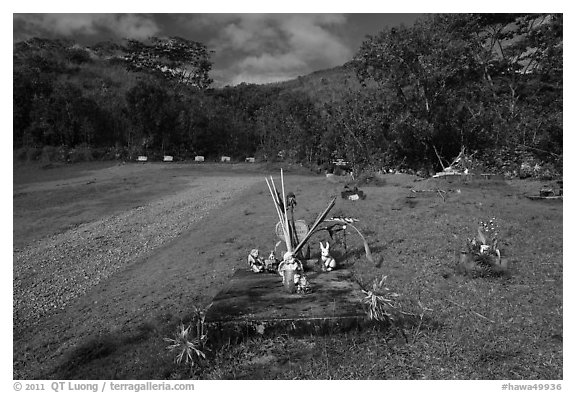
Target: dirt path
[(96, 277)]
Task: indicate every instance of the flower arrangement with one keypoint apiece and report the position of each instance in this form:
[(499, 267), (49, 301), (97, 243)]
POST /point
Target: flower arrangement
[(486, 241), (483, 254)]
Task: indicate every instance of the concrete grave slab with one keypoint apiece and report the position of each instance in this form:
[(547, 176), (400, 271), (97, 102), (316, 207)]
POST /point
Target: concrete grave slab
[(257, 302)]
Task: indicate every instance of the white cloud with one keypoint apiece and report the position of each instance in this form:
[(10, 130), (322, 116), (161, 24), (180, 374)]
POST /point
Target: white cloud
[(132, 26), (252, 46), (312, 40), (69, 25), (268, 46), (260, 78), (269, 62)]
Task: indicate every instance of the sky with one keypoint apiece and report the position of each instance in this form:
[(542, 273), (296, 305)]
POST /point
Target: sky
[(251, 48)]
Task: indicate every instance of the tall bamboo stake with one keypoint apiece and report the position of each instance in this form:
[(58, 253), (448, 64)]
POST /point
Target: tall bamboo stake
[(283, 217), (288, 240), (276, 206), (276, 194), (319, 219), (278, 202)]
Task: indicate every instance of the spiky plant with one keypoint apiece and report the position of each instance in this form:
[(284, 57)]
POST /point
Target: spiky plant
[(380, 301), (187, 347), (189, 341)]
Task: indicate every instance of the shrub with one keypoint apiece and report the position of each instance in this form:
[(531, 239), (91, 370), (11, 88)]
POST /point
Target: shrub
[(49, 154), (32, 154), (80, 153), (99, 153), (21, 154), (189, 341), (370, 178)]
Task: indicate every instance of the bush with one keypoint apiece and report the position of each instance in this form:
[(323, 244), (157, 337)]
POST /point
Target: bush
[(114, 153), (32, 154), (80, 153), (133, 152), (99, 153), (370, 178), (49, 154), (21, 154)]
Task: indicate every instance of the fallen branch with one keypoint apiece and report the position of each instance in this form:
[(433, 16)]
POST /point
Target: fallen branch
[(442, 195), (431, 190), (438, 190), (457, 159), (439, 159)]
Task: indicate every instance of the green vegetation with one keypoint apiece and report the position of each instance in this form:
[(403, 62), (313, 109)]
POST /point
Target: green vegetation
[(456, 325), (187, 345), (489, 83)]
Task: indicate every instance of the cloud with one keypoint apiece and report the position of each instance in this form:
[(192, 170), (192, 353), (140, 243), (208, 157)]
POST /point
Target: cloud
[(255, 48), (259, 78), (273, 47), (266, 61), (73, 25)]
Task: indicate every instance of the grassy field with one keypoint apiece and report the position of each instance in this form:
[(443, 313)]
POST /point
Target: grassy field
[(472, 328)]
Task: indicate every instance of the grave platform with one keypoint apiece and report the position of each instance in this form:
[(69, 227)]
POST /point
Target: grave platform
[(257, 303)]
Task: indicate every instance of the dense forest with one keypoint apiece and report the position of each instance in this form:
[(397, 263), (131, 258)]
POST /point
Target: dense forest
[(411, 96)]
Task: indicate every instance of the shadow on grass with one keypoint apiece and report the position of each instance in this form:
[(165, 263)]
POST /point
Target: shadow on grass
[(355, 255), (90, 359)]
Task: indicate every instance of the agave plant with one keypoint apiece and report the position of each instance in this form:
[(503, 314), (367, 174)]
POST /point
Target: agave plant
[(189, 341), (187, 347), (380, 301)]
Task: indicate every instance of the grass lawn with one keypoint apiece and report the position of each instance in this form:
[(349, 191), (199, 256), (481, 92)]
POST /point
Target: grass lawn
[(508, 327)]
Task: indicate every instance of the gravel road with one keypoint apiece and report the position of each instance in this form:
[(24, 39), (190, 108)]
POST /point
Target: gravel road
[(52, 272)]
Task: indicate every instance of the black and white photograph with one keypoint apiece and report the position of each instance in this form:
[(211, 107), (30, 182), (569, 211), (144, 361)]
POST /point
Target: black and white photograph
[(362, 196)]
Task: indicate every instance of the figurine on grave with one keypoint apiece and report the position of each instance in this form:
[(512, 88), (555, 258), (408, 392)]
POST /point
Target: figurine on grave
[(328, 261), (291, 270), (303, 286), (271, 264), (255, 261)]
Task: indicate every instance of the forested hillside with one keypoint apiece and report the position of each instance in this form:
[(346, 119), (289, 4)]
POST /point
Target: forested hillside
[(489, 83)]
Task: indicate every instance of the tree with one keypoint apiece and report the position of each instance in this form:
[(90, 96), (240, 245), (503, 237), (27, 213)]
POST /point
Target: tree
[(466, 80), (175, 59), (150, 110)]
